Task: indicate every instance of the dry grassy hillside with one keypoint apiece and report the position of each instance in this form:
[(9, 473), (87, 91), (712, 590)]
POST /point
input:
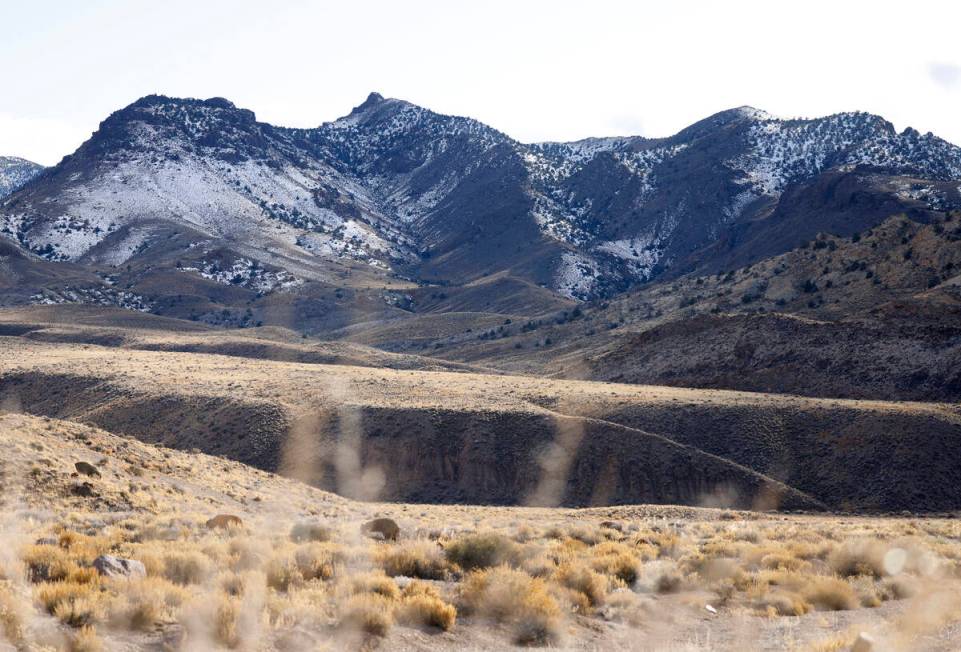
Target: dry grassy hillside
[(428, 435), (297, 574), (464, 437), (871, 316), (114, 327), (830, 277), (895, 353)]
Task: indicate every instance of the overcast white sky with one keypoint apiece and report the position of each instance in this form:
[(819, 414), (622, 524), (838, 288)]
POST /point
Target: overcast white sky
[(552, 70)]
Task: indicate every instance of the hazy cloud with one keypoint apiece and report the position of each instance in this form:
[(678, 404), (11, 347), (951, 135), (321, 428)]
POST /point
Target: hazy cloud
[(947, 75)]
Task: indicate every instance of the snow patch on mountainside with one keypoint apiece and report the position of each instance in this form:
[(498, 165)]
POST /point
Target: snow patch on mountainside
[(639, 254), (558, 213), (751, 113), (247, 202), (125, 248), (409, 206), (92, 296), (581, 151), (351, 239), (246, 273), (643, 163), (645, 251), (16, 173), (738, 203), (557, 221), (576, 275), (364, 139), (781, 152)]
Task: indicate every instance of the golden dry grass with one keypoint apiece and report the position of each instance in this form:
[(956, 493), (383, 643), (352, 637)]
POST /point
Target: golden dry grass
[(426, 610), (506, 595), (529, 576), (421, 559)]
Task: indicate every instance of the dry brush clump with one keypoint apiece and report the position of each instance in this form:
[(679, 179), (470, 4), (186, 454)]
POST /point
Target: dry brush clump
[(373, 603), (374, 582), (86, 640), (310, 531), (420, 559), (144, 603), (831, 594), (421, 604), (617, 560), (186, 567), (74, 604), (860, 557), (539, 583), (482, 550), (507, 595), (12, 615), (371, 613), (581, 578)]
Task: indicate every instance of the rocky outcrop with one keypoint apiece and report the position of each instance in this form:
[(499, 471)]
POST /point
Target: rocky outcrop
[(114, 567)]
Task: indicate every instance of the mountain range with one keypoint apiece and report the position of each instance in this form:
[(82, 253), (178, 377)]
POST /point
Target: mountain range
[(408, 230), (395, 191)]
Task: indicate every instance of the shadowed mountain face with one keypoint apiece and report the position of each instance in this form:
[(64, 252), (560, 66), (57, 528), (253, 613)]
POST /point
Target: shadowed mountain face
[(175, 198)]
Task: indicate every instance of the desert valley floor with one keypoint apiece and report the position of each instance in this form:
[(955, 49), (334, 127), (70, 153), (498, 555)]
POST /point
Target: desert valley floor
[(533, 511)]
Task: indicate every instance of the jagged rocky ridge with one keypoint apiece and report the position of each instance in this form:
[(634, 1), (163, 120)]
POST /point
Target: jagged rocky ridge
[(396, 190)]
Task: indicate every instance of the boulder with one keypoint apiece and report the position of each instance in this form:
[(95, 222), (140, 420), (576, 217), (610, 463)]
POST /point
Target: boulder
[(224, 521), (110, 566), (86, 468), (387, 528)]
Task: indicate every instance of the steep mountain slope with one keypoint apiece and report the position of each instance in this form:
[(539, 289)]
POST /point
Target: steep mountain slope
[(16, 173), (875, 315), (684, 203), (456, 185), (864, 358), (396, 193), (205, 168)]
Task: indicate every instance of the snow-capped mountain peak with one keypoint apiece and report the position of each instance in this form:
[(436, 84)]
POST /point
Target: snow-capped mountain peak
[(405, 191)]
